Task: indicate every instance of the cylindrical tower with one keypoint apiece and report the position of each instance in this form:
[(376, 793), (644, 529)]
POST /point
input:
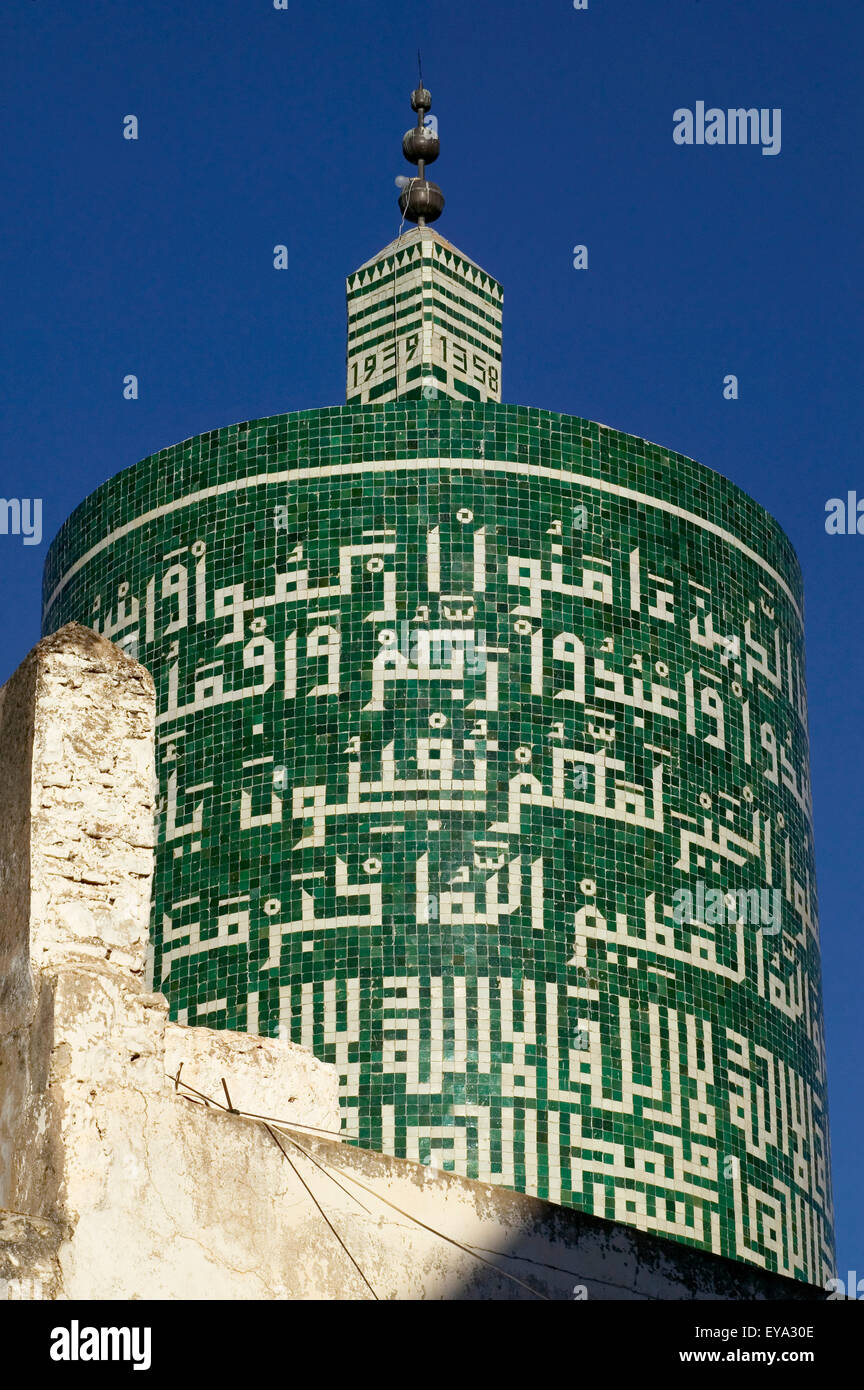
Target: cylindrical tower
[(483, 765), (483, 761)]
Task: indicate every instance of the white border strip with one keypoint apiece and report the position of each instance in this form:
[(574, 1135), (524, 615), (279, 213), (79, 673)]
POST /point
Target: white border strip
[(415, 465)]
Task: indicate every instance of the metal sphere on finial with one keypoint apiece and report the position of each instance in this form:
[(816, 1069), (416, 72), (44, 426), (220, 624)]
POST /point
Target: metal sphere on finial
[(421, 201), (421, 100), (418, 144)]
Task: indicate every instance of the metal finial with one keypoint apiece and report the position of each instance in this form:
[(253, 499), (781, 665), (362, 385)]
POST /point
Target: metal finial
[(421, 201)]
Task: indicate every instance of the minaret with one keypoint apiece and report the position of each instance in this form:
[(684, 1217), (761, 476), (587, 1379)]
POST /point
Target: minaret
[(424, 320)]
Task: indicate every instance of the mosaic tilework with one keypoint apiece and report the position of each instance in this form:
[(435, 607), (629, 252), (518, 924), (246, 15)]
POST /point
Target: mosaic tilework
[(454, 701), (423, 320)]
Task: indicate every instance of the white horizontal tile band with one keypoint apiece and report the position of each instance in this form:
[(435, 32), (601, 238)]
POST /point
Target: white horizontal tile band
[(291, 475)]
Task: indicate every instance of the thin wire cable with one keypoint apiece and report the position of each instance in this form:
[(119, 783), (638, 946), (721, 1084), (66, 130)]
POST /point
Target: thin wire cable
[(282, 1125), (295, 1170), (231, 1109), (251, 1114), (411, 182), (353, 1196), (467, 1248)]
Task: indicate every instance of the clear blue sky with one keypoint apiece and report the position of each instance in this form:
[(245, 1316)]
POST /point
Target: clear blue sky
[(259, 126)]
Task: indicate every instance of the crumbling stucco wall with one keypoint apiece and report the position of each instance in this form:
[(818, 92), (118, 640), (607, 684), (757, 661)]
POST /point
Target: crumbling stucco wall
[(117, 1183), (94, 1139)]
